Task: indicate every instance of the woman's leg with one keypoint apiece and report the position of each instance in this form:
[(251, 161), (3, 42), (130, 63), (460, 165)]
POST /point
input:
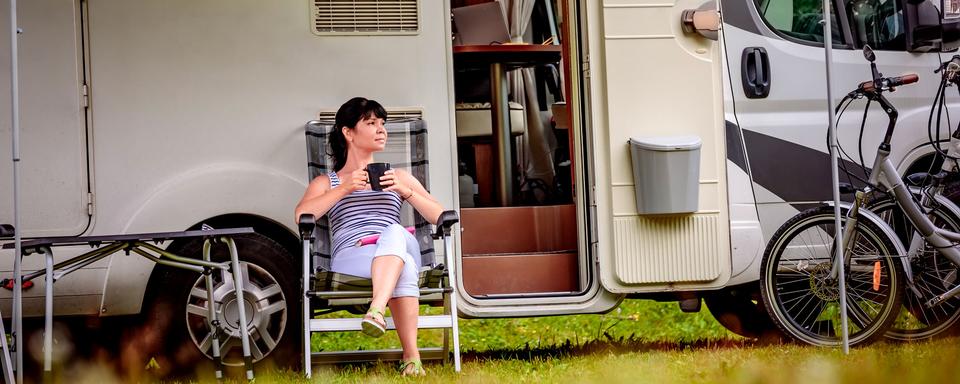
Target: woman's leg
[(395, 278), (384, 272), (405, 302), (393, 271), (405, 311)]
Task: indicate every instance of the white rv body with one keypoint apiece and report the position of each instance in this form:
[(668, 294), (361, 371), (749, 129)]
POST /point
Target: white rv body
[(148, 115)]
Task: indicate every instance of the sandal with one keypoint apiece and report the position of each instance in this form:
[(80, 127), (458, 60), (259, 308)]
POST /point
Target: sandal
[(412, 367), (373, 324)]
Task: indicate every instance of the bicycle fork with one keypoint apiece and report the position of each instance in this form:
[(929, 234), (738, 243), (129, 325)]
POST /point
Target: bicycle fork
[(847, 240)]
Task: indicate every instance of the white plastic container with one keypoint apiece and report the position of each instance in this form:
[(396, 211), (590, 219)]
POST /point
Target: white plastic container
[(666, 174)]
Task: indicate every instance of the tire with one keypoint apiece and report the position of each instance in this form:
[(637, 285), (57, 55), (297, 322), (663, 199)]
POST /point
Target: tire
[(804, 303), (933, 275), (272, 308), (741, 311)]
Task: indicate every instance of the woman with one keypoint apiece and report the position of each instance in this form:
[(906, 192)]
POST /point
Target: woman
[(355, 211)]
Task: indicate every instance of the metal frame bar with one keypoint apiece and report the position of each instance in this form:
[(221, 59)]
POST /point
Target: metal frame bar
[(16, 320), (834, 173), (367, 294), (76, 263), (238, 283), (212, 317), (53, 272), (346, 357), (305, 307), (5, 359)]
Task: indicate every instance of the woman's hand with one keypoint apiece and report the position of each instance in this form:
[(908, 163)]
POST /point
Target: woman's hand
[(391, 182), (358, 180)]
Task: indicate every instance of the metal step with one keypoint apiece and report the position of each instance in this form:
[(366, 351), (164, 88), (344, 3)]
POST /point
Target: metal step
[(353, 324), (342, 357)]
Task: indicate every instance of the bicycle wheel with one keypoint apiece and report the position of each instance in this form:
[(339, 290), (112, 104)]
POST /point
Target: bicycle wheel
[(933, 275), (804, 301)]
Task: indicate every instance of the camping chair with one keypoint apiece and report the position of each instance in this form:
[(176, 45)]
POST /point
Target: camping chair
[(323, 289)]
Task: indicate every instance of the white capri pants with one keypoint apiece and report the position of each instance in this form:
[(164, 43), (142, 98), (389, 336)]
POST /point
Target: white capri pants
[(395, 241)]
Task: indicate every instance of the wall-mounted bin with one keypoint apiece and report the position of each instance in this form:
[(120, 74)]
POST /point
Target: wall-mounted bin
[(666, 174)]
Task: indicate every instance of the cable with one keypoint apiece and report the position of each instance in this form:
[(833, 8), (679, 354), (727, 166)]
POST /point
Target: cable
[(937, 108), (863, 123), (850, 176)]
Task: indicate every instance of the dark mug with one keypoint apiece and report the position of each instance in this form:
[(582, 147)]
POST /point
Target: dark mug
[(374, 171)]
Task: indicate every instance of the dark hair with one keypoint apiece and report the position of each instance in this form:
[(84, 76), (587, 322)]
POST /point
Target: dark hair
[(349, 114)]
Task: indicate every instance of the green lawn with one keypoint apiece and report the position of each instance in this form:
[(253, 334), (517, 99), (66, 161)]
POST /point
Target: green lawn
[(643, 341), (642, 320)]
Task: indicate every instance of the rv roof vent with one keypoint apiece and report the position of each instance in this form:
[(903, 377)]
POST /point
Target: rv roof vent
[(392, 114), (364, 17)]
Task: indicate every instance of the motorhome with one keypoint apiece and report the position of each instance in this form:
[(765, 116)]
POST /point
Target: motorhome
[(148, 115)]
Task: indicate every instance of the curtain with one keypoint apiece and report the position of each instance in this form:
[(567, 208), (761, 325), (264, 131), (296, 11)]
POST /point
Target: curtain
[(539, 159)]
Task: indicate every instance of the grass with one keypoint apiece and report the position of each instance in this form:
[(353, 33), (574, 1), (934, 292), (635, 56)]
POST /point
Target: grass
[(736, 362), (642, 341), (643, 320)]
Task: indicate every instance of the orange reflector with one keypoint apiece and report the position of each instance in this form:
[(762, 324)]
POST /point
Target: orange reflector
[(876, 276)]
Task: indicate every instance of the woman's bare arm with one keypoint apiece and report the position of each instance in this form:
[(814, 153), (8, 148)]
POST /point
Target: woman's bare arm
[(319, 197), (420, 199)]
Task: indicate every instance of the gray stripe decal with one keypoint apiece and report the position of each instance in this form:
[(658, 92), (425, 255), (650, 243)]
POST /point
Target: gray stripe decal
[(791, 171), (734, 146)]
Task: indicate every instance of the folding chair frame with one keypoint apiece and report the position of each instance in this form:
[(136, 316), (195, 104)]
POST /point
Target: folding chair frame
[(448, 320)]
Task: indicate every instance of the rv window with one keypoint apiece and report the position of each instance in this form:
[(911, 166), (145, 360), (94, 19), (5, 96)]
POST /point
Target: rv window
[(878, 23), (799, 19)]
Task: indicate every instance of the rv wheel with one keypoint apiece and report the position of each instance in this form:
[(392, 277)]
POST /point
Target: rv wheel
[(738, 310), (270, 302)]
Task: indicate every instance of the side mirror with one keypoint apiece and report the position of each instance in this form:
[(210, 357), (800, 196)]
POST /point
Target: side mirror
[(950, 24), (927, 30), (868, 53)]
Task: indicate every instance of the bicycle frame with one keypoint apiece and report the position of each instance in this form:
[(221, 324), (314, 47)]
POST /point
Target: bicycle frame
[(884, 174)]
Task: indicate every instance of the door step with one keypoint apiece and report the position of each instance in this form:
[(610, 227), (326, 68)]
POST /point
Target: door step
[(518, 273)]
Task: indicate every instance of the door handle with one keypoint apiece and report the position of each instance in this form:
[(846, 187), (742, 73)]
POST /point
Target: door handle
[(755, 72)]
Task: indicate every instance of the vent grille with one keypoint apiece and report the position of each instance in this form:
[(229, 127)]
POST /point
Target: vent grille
[(667, 249), (393, 114), (366, 16)]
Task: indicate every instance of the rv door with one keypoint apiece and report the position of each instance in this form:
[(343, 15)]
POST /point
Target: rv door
[(54, 199), (654, 83)]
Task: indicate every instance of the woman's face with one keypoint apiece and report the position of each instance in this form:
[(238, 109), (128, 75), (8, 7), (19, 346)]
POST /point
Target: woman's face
[(369, 134)]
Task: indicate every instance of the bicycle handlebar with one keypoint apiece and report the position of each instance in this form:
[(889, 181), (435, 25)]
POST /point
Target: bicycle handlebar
[(903, 80), (887, 83), (950, 69)]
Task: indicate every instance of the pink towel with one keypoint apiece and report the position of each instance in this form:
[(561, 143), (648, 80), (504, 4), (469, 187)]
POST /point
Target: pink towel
[(372, 239)]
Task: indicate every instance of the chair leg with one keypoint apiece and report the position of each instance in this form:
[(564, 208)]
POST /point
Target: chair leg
[(446, 331), (305, 300), (454, 315)]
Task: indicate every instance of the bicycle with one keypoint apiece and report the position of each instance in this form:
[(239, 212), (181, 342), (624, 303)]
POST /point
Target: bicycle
[(799, 282), (932, 274)]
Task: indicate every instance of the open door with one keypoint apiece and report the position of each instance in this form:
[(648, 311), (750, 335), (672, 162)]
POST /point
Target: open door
[(53, 146), (652, 81)]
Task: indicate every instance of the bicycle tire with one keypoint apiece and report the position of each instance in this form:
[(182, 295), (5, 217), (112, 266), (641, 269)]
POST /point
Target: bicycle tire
[(933, 275), (872, 303)]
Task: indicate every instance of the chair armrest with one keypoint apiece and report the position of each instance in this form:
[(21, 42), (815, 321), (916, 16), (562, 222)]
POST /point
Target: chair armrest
[(6, 230), (307, 223), (445, 223)]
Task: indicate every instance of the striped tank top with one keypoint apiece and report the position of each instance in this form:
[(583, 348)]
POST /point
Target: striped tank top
[(360, 214)]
